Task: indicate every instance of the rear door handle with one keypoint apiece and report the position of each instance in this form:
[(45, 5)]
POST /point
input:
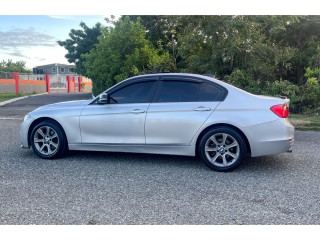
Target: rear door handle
[(137, 111), (202, 109)]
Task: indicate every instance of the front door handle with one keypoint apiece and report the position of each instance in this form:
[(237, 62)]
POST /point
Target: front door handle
[(202, 109), (137, 111)]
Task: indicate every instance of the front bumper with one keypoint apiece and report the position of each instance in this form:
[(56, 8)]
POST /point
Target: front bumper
[(24, 130)]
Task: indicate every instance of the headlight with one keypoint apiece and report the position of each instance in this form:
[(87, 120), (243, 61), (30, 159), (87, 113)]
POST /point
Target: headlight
[(26, 117)]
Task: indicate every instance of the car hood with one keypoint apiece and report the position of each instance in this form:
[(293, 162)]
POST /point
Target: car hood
[(64, 105)]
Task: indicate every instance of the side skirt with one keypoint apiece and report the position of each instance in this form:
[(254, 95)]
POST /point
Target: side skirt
[(153, 149)]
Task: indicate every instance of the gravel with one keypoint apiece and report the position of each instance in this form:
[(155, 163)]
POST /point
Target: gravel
[(92, 188)]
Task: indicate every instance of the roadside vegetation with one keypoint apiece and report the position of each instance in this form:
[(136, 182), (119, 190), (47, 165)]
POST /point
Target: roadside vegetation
[(305, 122), (8, 96), (11, 66), (268, 55)]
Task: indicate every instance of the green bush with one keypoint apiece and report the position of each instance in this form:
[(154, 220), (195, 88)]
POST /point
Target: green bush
[(287, 89), (303, 99), (239, 79), (311, 95)]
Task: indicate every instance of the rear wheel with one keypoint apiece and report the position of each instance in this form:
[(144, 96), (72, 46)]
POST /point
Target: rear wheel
[(222, 149), (48, 140)]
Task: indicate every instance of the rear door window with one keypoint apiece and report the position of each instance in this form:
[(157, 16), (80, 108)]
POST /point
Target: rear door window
[(177, 91)]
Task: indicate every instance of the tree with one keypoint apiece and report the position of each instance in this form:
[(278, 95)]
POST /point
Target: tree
[(266, 48), (304, 35), (164, 28), (10, 66), (123, 51), (81, 42)]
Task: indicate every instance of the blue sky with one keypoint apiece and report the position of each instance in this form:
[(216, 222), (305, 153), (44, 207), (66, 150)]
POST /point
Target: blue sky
[(33, 38)]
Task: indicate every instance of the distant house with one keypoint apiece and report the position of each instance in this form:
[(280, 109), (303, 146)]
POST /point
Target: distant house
[(55, 68)]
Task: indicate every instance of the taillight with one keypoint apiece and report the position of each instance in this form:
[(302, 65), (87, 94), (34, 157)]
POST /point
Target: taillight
[(281, 110)]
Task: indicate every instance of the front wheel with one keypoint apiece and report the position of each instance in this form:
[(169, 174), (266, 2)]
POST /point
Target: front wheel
[(222, 149), (48, 140)]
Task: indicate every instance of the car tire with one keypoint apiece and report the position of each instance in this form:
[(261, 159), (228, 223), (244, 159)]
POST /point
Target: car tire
[(48, 140), (222, 149)]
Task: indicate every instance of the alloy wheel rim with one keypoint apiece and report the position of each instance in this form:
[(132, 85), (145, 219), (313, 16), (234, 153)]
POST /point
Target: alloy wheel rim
[(222, 149), (46, 140)]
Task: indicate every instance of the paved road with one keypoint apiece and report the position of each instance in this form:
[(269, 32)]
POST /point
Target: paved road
[(123, 188), (20, 108)]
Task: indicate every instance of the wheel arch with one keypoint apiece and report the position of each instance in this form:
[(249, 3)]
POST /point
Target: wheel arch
[(39, 120), (223, 125)]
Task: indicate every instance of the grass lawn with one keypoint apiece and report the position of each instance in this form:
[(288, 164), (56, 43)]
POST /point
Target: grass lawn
[(8, 96), (305, 122)]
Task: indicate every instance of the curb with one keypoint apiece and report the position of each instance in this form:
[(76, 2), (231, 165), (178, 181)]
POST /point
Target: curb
[(20, 98)]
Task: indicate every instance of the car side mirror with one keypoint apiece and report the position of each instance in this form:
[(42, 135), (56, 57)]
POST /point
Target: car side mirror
[(103, 98)]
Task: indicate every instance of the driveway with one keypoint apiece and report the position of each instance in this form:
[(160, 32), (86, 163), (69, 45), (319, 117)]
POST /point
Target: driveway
[(20, 108), (125, 188)]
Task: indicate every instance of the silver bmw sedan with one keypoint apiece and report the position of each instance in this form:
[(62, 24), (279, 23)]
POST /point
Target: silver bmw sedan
[(165, 113)]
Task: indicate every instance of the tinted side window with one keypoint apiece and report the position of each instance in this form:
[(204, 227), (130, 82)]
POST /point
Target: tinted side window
[(178, 91), (209, 93), (135, 93)]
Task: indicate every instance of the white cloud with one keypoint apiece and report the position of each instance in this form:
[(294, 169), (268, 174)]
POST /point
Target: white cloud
[(18, 37), (36, 55), (28, 45), (42, 55), (60, 16)]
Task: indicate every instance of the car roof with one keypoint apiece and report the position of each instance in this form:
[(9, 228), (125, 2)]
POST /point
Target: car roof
[(191, 75), (188, 75), (227, 86)]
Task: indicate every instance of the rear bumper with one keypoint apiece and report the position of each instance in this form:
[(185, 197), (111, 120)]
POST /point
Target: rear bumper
[(291, 142), (271, 138)]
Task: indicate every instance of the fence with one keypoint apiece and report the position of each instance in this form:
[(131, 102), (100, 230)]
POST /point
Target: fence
[(6, 75), (40, 83), (28, 76)]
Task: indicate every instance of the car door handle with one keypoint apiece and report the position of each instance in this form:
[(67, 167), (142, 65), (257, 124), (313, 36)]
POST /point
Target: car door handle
[(137, 111), (202, 109)]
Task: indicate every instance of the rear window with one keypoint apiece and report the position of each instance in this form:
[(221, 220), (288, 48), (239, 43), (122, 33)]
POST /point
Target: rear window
[(209, 93)]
